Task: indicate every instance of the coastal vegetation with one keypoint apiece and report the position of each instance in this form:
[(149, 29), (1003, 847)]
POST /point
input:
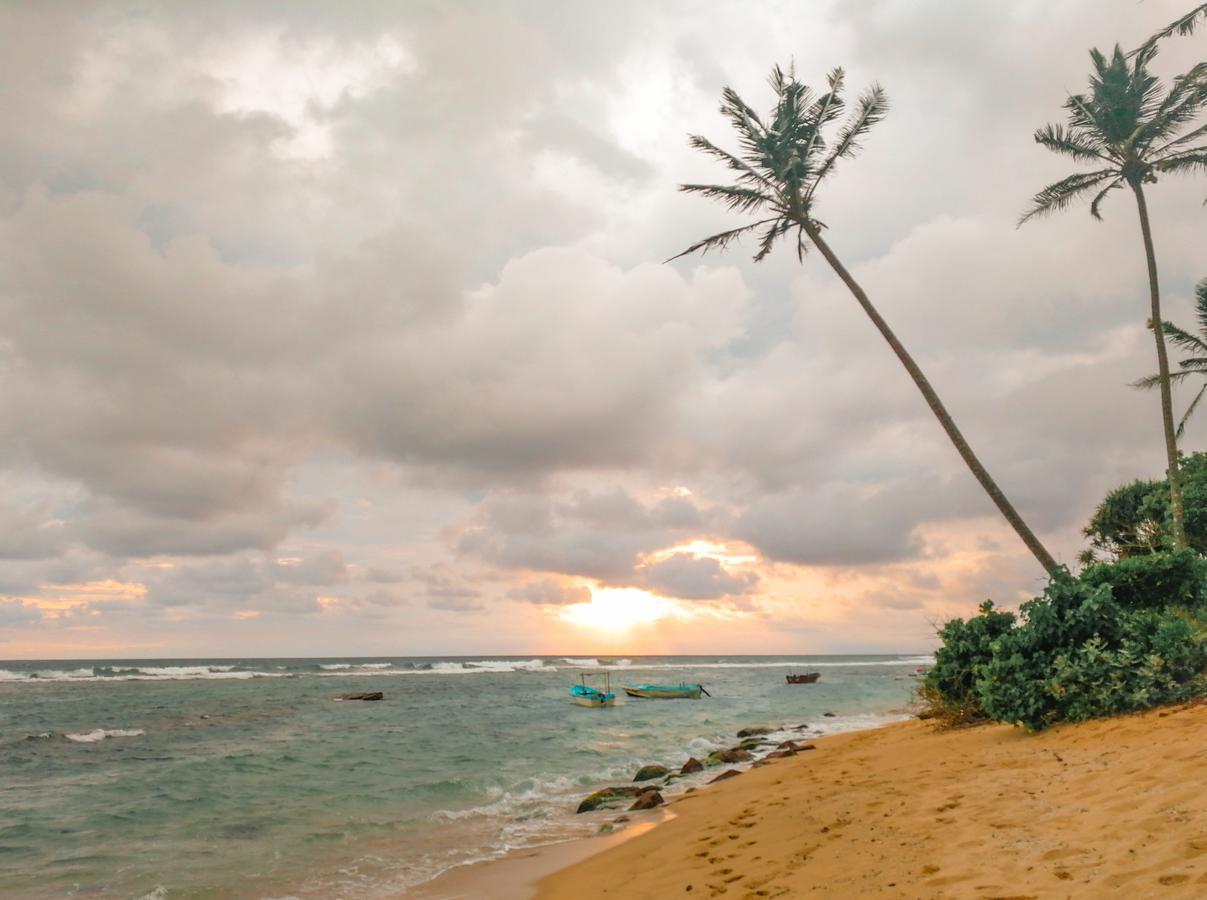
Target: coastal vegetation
[(1129, 631)]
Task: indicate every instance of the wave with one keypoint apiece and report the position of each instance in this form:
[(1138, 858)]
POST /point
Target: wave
[(99, 734), (447, 667)]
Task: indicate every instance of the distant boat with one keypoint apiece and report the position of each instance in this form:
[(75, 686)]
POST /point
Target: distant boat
[(807, 678), (666, 691), (586, 695)]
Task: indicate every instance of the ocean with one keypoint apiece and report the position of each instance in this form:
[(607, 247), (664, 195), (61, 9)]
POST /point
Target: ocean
[(245, 778)]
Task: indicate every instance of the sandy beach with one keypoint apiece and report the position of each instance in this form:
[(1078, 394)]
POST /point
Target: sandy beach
[(1109, 808)]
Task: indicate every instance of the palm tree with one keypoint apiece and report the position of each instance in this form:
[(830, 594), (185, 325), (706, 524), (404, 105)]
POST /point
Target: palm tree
[(1195, 364), (779, 168), (1127, 127)]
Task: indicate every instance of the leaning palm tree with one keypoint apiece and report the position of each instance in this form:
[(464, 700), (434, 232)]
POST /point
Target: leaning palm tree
[(1131, 130), (782, 162), (1195, 364)]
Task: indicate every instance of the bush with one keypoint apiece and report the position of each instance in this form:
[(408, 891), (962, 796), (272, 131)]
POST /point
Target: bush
[(1153, 582), (948, 693), (1077, 651)]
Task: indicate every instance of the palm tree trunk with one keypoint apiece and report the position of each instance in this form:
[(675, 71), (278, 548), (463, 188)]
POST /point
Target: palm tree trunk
[(1171, 441), (940, 411)]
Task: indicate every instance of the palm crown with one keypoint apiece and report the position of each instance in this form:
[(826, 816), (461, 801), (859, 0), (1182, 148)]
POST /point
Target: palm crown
[(1196, 363), (784, 158), (1128, 127)]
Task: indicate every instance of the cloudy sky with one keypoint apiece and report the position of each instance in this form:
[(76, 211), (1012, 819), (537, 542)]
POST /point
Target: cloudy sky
[(331, 329)]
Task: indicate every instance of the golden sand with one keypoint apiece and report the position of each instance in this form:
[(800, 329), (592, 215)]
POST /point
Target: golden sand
[(1111, 808)]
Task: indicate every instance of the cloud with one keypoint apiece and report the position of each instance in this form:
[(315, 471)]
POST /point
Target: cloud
[(686, 576)]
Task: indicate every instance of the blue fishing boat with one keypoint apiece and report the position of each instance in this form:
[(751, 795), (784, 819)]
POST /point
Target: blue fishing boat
[(666, 691), (588, 695)]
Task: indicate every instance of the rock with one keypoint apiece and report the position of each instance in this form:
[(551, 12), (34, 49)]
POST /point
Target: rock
[(753, 744), (753, 732), (728, 773), (804, 727), (648, 800), (620, 819), (605, 828), (364, 695), (780, 754), (786, 745), (692, 765), (732, 755), (828, 715), (645, 773), (607, 797), (801, 748)]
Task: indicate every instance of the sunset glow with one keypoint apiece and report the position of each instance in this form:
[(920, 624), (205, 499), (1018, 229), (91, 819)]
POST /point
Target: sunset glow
[(617, 610)]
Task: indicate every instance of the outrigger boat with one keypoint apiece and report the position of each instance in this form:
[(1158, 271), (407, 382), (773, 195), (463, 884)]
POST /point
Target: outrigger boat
[(807, 678), (666, 691), (586, 695)]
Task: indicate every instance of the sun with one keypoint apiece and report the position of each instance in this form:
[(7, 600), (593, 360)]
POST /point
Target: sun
[(617, 610)]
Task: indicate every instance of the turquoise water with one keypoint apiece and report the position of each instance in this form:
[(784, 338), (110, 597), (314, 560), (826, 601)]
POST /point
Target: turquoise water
[(244, 778)]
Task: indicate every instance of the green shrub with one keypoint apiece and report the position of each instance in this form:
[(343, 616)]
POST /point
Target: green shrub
[(1154, 581), (1078, 654), (948, 693)]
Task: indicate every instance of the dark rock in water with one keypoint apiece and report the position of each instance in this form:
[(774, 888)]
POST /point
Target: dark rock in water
[(645, 773), (804, 727), (753, 732), (692, 765), (728, 773), (605, 828), (608, 797), (364, 695), (780, 754), (732, 755), (648, 800), (620, 819), (786, 745), (753, 743), (828, 715)]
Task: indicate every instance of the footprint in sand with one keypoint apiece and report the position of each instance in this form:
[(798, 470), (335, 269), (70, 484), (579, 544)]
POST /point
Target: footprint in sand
[(1173, 879)]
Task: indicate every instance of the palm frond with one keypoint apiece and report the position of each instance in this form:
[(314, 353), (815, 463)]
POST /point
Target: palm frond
[(1096, 203), (1177, 142), (774, 231), (1079, 146), (1185, 100), (873, 107), (748, 172), (1060, 194), (721, 240), (1184, 26), (1183, 339), (739, 199), (1190, 411), (1152, 381), (1185, 162)]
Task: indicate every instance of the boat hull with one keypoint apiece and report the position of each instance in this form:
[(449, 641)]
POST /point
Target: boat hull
[(596, 702), (664, 693), (810, 678)]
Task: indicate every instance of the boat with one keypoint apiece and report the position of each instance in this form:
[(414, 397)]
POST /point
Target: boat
[(666, 691), (806, 678), (588, 695)]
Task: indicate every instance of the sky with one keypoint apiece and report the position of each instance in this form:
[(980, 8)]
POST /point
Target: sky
[(333, 329)]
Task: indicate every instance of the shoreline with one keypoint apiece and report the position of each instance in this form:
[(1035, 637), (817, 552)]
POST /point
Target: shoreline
[(1110, 807), (517, 873)]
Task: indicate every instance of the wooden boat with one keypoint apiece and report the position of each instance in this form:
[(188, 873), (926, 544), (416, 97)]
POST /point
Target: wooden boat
[(666, 691), (806, 678), (588, 695)]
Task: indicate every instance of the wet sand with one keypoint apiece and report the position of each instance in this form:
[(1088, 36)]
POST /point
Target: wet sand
[(1111, 808)]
